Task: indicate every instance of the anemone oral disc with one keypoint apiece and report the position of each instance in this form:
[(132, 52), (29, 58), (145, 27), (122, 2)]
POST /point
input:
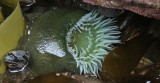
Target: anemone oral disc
[(86, 40)]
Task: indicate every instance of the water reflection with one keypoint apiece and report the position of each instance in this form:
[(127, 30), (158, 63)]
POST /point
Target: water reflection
[(51, 47)]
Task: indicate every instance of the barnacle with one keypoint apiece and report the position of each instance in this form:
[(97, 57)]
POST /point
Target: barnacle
[(90, 40)]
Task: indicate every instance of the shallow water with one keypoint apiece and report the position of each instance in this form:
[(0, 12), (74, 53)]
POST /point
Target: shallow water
[(45, 41), (47, 32)]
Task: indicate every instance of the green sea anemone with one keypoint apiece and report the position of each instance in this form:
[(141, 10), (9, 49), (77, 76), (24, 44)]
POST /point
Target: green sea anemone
[(90, 40)]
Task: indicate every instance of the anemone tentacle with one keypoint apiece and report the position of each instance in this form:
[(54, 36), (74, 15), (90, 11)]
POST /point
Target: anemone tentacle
[(90, 40)]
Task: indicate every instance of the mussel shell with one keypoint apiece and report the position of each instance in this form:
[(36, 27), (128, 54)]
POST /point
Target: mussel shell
[(17, 60)]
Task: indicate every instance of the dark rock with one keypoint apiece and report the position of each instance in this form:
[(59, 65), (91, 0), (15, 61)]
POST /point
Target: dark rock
[(148, 8)]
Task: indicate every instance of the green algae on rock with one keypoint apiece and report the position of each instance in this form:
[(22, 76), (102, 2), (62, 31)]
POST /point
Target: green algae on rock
[(90, 40), (46, 40)]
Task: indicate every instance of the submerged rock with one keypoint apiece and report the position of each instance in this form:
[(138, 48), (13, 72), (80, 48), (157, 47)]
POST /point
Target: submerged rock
[(46, 41)]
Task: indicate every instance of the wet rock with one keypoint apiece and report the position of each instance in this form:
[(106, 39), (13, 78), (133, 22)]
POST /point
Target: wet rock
[(147, 8), (46, 41)]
